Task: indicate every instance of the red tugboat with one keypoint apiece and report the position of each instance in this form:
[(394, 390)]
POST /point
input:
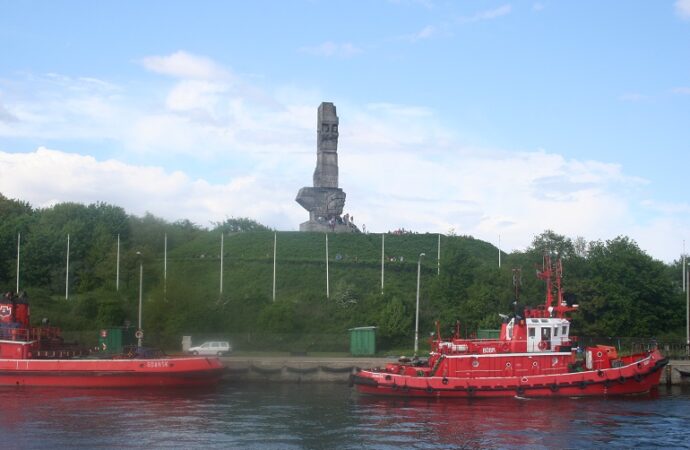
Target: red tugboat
[(38, 356), (534, 356)]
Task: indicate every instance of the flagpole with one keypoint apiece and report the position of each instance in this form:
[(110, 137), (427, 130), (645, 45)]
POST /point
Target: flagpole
[(165, 266), (275, 244), (328, 287), (117, 265), (222, 237), (382, 258), (19, 243), (438, 257), (67, 271)]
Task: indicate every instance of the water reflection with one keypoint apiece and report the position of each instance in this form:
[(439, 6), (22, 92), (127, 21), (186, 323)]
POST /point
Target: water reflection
[(329, 416)]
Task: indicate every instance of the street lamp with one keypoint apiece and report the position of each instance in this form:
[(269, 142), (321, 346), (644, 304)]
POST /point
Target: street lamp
[(416, 317), (139, 333)]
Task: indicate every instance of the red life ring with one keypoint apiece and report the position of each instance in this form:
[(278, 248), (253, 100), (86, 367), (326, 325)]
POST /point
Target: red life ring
[(542, 345), (505, 347)]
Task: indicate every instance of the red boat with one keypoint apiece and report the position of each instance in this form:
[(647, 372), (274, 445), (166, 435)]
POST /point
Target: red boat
[(534, 356), (38, 356)]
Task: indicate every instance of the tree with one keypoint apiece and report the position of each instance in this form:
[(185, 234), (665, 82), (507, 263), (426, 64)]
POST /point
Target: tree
[(627, 293), (239, 224)]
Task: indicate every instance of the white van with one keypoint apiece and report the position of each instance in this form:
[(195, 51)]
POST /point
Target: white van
[(218, 348)]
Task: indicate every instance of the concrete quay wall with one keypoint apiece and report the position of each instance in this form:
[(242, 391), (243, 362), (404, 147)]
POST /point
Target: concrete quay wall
[(338, 369), (297, 368)]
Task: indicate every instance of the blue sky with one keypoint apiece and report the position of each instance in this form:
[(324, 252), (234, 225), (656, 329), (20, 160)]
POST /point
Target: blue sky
[(483, 117)]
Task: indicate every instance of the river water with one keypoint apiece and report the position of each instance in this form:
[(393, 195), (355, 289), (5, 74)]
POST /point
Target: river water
[(285, 416)]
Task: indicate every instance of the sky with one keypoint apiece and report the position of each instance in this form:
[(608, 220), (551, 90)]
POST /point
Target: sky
[(483, 118)]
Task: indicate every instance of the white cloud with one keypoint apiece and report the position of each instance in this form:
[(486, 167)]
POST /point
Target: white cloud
[(50, 176), (185, 65), (488, 14), (330, 49), (683, 9), (683, 90), (427, 32), (632, 97)]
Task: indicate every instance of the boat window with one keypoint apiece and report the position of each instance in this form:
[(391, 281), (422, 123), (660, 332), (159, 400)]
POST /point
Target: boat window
[(555, 331), (531, 331), (544, 320), (546, 334), (565, 330)]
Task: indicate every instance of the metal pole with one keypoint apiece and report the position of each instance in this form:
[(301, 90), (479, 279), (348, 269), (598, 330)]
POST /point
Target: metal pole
[(687, 317), (499, 251), (382, 258), (222, 235), (67, 271), (275, 244), (438, 257), (416, 317), (19, 243), (685, 279), (165, 266), (117, 266), (141, 286), (328, 288)]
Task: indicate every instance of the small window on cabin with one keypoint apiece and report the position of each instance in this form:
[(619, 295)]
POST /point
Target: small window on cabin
[(565, 330), (555, 331), (531, 331)]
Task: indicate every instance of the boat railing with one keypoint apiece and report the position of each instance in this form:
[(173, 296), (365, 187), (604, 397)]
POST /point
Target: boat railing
[(14, 334)]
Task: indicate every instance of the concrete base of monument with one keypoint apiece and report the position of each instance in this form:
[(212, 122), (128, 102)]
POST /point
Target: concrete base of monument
[(325, 227)]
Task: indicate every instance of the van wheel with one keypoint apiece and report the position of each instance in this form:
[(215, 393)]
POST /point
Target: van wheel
[(195, 353), (219, 353)]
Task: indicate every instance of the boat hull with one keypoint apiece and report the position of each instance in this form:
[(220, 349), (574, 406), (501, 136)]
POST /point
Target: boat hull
[(112, 373), (636, 378)]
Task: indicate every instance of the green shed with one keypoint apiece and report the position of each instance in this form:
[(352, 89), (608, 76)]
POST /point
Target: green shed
[(113, 340), (363, 341)]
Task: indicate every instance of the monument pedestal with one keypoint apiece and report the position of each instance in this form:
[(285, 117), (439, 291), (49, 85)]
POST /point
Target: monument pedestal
[(325, 227)]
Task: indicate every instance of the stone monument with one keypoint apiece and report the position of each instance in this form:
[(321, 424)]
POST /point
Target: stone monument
[(325, 201)]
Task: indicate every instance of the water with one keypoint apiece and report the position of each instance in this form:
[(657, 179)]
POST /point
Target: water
[(288, 416)]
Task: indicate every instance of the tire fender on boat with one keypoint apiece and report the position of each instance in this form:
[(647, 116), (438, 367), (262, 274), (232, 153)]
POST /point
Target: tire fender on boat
[(554, 387), (638, 378), (621, 379)]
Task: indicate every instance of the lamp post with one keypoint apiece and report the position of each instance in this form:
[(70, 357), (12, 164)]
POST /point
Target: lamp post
[(139, 333), (416, 316)]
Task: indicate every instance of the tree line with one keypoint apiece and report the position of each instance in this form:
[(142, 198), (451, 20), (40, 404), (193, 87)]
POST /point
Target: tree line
[(621, 290)]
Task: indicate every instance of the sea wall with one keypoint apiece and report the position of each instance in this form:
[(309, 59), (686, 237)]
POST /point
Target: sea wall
[(296, 368), (673, 373)]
